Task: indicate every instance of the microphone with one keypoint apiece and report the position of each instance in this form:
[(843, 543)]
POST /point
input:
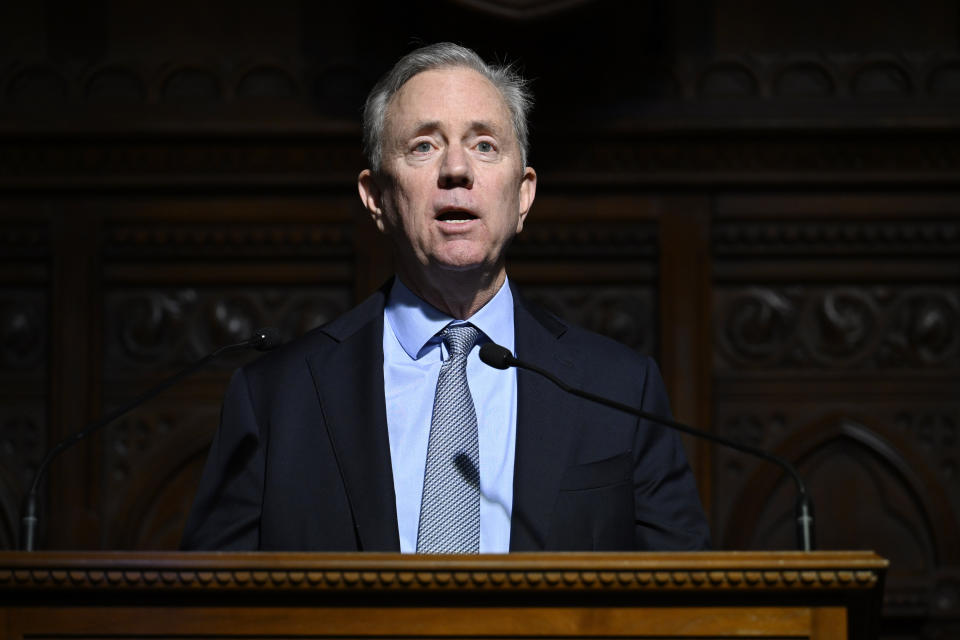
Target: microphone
[(262, 340), (499, 357)]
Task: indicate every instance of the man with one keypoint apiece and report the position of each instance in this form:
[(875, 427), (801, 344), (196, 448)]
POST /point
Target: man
[(383, 430)]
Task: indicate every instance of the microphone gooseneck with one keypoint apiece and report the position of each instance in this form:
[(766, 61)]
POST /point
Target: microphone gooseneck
[(500, 357), (262, 340)]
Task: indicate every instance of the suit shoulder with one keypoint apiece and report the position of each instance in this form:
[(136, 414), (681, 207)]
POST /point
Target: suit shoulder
[(614, 370), (292, 354), (603, 346), (621, 370), (589, 346), (602, 363), (289, 354)]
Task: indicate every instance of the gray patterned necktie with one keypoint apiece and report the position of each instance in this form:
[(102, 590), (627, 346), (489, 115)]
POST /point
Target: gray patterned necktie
[(450, 507)]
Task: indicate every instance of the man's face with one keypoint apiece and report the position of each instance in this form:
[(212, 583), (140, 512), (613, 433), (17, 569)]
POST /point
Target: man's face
[(453, 191)]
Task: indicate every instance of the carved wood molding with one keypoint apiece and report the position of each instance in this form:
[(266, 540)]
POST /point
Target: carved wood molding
[(615, 158), (733, 154), (605, 240), (144, 160), (824, 78), (393, 572), (842, 238), (236, 239)]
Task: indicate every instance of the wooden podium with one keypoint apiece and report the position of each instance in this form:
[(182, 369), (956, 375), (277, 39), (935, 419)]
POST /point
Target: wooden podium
[(551, 595)]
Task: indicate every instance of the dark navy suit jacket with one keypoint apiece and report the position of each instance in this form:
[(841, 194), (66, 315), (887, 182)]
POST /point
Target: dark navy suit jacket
[(301, 460)]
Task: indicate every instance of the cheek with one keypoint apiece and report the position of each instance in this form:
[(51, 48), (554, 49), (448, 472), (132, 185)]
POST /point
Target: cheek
[(511, 209), (409, 203), (399, 209)]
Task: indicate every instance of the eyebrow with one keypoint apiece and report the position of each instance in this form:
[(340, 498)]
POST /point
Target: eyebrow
[(483, 125), (476, 125), (422, 126)]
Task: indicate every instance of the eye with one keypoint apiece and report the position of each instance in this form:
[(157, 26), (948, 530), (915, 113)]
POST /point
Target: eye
[(484, 147), (422, 147)]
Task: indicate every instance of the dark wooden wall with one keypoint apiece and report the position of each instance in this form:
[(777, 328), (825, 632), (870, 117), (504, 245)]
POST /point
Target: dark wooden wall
[(765, 196)]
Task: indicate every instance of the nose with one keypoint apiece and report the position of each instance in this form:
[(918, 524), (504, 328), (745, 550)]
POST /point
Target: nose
[(455, 169)]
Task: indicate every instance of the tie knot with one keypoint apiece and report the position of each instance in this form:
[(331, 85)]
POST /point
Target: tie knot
[(460, 338)]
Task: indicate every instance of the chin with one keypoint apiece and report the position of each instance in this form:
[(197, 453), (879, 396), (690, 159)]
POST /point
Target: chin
[(459, 266), (464, 264), (461, 261)]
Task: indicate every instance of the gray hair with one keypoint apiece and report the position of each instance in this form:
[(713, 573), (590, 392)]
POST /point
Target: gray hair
[(505, 78)]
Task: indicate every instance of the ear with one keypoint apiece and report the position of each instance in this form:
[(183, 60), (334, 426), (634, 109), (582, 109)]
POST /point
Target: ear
[(528, 191), (372, 197)]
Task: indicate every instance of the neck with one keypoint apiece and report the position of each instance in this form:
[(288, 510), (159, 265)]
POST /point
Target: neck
[(459, 294)]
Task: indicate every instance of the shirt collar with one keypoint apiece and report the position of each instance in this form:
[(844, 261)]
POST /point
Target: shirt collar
[(416, 323)]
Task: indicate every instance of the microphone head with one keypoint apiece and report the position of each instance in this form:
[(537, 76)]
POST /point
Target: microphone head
[(265, 338), (496, 356)]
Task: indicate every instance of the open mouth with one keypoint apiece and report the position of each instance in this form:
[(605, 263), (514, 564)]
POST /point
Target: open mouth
[(456, 216)]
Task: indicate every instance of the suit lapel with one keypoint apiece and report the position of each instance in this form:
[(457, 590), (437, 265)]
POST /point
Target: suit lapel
[(349, 380), (545, 427)]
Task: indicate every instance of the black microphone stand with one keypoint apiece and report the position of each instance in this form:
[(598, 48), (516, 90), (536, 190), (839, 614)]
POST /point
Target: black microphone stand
[(501, 358), (262, 340)]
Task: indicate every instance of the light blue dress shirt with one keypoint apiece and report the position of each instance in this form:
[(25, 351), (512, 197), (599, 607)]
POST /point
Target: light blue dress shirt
[(412, 356)]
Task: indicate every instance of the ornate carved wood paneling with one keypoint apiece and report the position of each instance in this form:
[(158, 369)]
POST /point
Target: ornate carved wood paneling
[(152, 462), (852, 377), (152, 458), (156, 329), (872, 487), (290, 270), (682, 118), (844, 328), (614, 157), (797, 82)]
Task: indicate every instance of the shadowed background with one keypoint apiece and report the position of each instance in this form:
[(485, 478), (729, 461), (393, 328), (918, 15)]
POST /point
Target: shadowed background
[(763, 195)]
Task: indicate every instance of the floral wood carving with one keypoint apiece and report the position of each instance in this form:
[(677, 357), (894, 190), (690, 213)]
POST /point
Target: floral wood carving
[(838, 327), (146, 328)]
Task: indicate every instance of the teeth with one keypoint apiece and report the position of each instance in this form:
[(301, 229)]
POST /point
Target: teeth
[(456, 216)]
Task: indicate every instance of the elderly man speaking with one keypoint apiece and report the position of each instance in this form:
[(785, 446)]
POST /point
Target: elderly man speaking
[(384, 431)]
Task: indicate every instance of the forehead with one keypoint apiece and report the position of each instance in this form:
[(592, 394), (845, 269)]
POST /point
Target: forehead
[(448, 96)]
